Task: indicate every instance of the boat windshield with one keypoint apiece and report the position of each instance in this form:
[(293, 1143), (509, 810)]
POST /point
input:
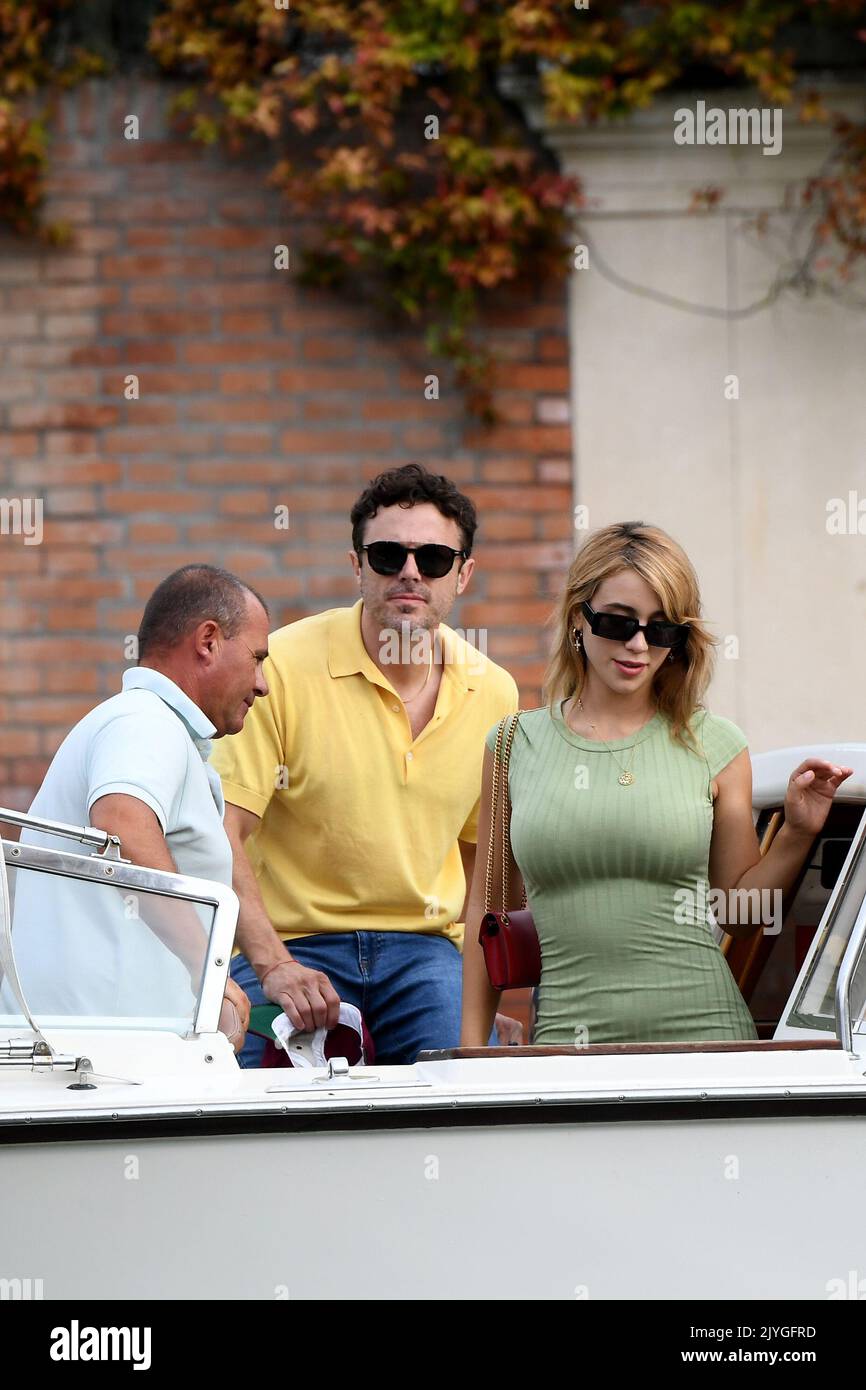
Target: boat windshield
[(814, 1004), (100, 943)]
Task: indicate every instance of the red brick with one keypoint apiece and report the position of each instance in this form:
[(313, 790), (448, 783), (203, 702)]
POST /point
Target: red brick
[(152, 472), (255, 381), (72, 561), (249, 502), (518, 584), (549, 555), (18, 741), (333, 379), (154, 294), (71, 617), (168, 324), (18, 445), (215, 472), (517, 613), (44, 589), (250, 412), (95, 355), (78, 680), (334, 441), (144, 412), (72, 417), (18, 326), (554, 470), (331, 408), (65, 297), (64, 442), (536, 439), (226, 354), (38, 354), (231, 294), (96, 238), (553, 347), (16, 388), (181, 382), (509, 526), (530, 377), (233, 238), (513, 470), (69, 325), (149, 238), (130, 500), (78, 211), (209, 532), (133, 441), (90, 532), (80, 384), (246, 321), (529, 498), (71, 501), (138, 267), (153, 533), (336, 348), (61, 267), (423, 437)]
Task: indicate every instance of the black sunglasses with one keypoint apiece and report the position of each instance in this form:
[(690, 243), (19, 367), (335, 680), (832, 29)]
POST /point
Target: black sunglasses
[(433, 561), (617, 628)]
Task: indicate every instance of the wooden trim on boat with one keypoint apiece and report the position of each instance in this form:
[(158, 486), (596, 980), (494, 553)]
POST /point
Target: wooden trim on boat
[(632, 1049)]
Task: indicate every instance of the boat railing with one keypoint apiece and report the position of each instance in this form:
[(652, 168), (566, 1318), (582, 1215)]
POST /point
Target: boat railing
[(845, 980), (102, 840), (106, 866)]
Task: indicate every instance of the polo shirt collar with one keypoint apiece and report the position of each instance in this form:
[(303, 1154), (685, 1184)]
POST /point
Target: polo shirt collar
[(200, 728), (347, 655)]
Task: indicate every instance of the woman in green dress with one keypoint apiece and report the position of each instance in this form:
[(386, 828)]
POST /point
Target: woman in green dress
[(630, 802)]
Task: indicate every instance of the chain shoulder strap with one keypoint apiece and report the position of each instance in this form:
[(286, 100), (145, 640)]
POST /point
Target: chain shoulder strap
[(499, 795)]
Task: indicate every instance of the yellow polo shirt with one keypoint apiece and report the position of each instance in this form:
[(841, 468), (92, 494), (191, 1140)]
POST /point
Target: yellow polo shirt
[(359, 821)]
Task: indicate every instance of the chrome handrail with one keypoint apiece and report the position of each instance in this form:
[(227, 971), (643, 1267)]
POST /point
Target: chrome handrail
[(7, 961), (848, 964), (98, 868), (102, 840)]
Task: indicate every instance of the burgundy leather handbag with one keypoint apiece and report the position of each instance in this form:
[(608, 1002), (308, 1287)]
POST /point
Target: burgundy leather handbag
[(512, 951)]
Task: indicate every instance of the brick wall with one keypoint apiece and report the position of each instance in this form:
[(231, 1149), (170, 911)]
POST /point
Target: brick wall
[(253, 394)]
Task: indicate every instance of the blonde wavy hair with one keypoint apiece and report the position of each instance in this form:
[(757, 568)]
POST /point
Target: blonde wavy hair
[(679, 685)]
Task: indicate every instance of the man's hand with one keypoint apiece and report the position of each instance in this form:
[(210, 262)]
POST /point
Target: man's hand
[(234, 1015), (307, 997), (509, 1031)]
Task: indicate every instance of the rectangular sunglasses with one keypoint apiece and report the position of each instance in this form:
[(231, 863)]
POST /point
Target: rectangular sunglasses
[(617, 628), (433, 561)]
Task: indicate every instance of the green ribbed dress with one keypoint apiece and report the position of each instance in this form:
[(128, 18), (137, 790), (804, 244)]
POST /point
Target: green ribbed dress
[(616, 878)]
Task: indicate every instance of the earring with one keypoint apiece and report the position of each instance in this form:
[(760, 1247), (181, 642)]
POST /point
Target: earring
[(577, 638), (670, 656)]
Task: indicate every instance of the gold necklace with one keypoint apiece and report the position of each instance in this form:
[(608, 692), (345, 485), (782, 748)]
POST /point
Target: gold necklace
[(423, 686), (626, 776)]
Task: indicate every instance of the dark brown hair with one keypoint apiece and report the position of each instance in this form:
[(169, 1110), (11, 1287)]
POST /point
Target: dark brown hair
[(189, 596), (404, 487)]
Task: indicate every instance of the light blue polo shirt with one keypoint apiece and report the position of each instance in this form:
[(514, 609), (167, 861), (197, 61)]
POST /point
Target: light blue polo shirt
[(78, 949), (152, 742)]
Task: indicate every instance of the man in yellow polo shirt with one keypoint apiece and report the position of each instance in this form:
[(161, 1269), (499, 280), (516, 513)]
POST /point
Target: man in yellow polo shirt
[(352, 790)]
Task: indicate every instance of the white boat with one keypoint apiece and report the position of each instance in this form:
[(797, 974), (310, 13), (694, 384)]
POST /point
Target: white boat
[(137, 1160)]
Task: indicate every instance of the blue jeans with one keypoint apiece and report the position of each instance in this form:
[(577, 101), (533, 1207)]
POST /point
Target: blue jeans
[(406, 984)]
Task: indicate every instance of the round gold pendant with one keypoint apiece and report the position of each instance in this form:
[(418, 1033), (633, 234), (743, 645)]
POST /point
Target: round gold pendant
[(625, 779)]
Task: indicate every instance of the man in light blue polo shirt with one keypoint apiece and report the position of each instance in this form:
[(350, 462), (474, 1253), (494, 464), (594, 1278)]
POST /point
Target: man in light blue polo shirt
[(136, 766)]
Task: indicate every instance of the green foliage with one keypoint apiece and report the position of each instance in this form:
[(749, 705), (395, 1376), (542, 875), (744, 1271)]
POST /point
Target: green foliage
[(345, 92)]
